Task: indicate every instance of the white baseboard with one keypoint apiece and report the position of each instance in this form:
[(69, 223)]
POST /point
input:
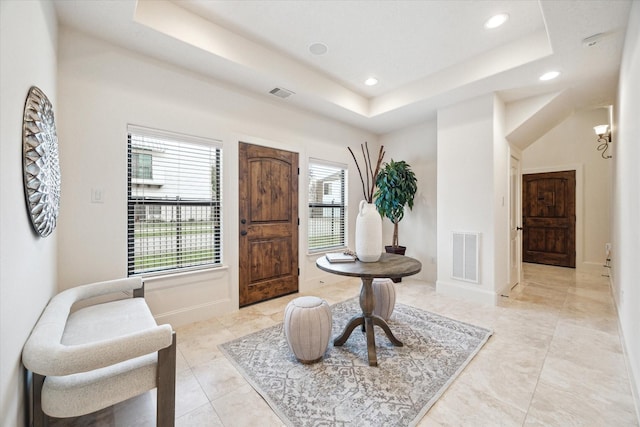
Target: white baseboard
[(634, 382), (635, 391), (195, 313), (468, 292), (319, 281)]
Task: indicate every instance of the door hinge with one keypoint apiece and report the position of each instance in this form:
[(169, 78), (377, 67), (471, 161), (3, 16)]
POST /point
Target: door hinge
[(298, 171), (298, 271), (298, 221)]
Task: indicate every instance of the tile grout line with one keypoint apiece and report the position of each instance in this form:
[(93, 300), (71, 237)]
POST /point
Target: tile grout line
[(544, 359)]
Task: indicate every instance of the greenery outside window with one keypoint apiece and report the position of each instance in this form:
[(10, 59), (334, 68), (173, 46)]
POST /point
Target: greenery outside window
[(327, 206), (174, 212)]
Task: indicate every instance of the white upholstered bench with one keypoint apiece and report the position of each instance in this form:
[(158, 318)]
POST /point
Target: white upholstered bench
[(100, 355)]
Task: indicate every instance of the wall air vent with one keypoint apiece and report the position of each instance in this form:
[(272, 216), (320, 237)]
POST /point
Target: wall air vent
[(281, 92), (465, 256)]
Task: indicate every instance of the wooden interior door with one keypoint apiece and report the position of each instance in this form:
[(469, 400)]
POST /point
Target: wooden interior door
[(549, 218), (268, 250)]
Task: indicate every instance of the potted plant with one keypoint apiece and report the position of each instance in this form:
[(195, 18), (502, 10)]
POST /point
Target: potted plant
[(397, 186)]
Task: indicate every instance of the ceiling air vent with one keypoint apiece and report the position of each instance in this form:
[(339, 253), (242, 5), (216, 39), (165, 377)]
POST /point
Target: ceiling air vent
[(281, 92)]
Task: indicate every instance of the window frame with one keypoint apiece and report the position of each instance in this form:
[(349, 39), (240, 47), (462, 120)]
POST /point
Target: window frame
[(201, 213), (318, 165)]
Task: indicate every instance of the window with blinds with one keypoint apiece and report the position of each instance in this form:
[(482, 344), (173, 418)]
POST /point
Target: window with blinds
[(327, 206), (174, 201)]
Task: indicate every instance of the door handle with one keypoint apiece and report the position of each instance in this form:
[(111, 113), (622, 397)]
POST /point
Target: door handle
[(243, 221), (243, 233)]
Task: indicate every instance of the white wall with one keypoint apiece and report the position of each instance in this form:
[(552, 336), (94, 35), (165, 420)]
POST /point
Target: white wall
[(572, 146), (103, 88), (417, 231), (501, 182), (626, 201), (471, 183), (27, 262)]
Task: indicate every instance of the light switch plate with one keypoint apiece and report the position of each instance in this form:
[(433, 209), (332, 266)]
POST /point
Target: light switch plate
[(97, 195)]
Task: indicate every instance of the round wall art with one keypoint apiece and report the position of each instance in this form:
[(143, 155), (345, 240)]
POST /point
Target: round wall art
[(41, 165)]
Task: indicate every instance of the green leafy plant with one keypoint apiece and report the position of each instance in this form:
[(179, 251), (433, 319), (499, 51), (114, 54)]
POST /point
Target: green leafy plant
[(397, 186)]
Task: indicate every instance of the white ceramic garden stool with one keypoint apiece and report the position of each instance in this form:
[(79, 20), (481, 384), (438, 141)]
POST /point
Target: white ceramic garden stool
[(384, 292), (307, 327)]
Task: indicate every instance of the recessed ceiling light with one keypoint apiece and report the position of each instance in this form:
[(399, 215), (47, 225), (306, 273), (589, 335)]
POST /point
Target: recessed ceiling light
[(371, 81), (496, 20), (318, 48), (549, 75)]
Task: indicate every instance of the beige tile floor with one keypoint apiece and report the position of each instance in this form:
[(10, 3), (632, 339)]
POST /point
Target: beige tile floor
[(555, 359)]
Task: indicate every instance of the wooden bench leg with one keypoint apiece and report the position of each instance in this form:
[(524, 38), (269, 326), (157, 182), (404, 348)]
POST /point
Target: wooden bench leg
[(166, 389), (39, 417)]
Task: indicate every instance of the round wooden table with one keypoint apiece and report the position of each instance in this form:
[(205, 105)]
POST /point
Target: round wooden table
[(389, 265)]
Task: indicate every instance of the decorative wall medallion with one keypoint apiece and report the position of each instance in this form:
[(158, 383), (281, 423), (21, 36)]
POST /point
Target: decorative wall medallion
[(41, 165)]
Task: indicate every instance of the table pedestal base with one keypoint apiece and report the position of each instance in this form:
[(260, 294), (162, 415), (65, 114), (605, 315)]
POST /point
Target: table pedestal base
[(368, 320)]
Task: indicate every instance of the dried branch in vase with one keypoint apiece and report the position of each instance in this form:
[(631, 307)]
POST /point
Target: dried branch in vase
[(370, 174)]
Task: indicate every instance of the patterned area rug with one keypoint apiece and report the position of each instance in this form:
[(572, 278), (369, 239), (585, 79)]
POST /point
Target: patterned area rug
[(342, 389)]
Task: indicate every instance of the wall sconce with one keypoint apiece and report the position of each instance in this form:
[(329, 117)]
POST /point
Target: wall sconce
[(604, 139)]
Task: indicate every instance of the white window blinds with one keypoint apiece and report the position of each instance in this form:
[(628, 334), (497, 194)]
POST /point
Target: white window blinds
[(327, 206), (174, 210)]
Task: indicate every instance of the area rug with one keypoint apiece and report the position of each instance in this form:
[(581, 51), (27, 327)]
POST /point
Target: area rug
[(342, 389)]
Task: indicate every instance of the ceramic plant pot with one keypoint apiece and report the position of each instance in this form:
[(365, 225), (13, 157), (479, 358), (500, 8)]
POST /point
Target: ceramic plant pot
[(368, 233)]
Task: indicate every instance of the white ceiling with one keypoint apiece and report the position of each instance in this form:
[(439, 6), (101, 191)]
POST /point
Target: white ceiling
[(425, 54)]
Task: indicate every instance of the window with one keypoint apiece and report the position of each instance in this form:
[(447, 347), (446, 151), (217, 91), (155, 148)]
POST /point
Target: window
[(174, 201), (141, 165), (327, 206)]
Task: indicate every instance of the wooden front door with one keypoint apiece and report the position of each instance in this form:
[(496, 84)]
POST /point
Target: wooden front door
[(268, 187), (549, 218)]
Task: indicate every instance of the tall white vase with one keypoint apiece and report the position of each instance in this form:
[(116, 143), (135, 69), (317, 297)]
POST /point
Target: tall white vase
[(368, 233)]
